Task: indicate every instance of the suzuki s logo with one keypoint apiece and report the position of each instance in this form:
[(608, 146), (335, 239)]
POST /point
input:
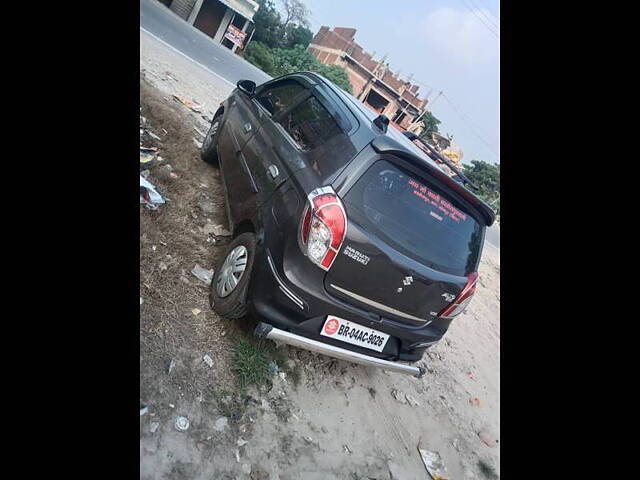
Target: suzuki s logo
[(448, 297), (408, 280)]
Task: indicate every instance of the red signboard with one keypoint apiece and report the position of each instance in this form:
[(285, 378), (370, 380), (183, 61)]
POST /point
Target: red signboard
[(235, 35)]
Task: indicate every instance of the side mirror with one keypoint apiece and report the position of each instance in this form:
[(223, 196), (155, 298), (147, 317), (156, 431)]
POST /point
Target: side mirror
[(382, 122), (247, 87)]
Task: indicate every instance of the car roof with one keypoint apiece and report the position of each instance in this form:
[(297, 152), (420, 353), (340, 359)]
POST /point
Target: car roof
[(366, 117)]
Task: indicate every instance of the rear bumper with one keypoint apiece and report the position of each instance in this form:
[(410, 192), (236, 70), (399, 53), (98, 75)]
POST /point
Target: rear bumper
[(264, 330), (301, 307)]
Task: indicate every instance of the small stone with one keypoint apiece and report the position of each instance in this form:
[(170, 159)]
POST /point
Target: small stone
[(399, 396), (162, 266), (220, 424), (272, 368), (182, 424), (412, 401), (308, 439), (206, 206), (241, 442), (208, 360), (246, 468), (153, 427), (347, 449)]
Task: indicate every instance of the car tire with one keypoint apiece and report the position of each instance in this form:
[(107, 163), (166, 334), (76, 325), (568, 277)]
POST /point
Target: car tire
[(209, 150), (233, 303)]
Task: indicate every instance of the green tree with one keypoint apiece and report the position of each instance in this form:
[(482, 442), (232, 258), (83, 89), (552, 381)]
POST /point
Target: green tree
[(298, 58), (268, 25), (486, 177), (260, 55), (430, 125), (298, 35), (336, 74)]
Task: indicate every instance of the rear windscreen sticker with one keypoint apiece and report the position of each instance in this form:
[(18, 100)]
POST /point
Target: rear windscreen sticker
[(435, 200)]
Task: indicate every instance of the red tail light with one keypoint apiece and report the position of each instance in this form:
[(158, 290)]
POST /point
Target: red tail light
[(323, 227), (462, 300)]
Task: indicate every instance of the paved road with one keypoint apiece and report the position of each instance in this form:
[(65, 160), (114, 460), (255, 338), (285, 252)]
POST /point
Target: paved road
[(162, 23), (493, 235)]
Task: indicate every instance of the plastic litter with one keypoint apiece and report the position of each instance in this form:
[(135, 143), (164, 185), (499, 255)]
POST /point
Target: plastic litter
[(172, 364), (434, 465), (208, 360), (143, 410), (188, 103), (202, 274), (196, 311), (154, 427), (182, 424), (149, 195)]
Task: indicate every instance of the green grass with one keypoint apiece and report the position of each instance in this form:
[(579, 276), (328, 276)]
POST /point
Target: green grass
[(251, 358)]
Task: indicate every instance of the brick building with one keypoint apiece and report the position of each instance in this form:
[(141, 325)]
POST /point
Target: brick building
[(373, 83)]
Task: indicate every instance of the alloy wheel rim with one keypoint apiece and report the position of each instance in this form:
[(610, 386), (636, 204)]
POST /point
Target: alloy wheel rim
[(232, 270)]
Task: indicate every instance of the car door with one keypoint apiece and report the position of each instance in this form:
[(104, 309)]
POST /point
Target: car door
[(269, 163), (237, 130)]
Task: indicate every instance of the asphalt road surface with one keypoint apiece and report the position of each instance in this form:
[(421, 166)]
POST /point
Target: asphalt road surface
[(160, 22)]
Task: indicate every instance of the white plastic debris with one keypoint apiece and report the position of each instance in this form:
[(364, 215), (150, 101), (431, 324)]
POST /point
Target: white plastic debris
[(202, 274), (433, 464), (220, 424), (182, 423), (241, 442), (196, 311), (148, 193), (143, 410), (208, 360), (154, 427), (141, 301)]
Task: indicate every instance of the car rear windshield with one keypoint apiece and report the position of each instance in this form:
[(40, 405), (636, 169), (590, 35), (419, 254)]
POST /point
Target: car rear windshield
[(416, 218)]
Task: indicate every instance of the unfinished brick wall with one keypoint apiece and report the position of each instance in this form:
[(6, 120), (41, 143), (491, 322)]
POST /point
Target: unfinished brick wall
[(357, 82)]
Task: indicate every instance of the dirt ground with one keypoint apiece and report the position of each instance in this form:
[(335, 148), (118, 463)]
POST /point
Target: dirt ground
[(331, 420)]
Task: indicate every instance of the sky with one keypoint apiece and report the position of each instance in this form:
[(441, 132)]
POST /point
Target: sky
[(450, 46)]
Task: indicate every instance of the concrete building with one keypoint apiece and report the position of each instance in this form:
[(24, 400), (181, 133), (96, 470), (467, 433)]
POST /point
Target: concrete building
[(373, 83), (228, 22)]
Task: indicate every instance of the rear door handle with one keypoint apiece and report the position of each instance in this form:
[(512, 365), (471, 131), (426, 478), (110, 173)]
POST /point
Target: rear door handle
[(247, 127)]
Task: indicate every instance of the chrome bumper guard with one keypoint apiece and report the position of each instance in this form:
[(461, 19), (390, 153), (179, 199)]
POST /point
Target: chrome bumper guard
[(264, 330)]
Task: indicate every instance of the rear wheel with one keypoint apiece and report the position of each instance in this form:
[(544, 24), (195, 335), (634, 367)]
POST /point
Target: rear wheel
[(209, 152), (228, 295)]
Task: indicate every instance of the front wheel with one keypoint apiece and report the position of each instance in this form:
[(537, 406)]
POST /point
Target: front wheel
[(209, 150), (228, 295)]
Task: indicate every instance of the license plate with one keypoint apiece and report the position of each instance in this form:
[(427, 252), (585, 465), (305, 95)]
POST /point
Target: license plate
[(353, 333)]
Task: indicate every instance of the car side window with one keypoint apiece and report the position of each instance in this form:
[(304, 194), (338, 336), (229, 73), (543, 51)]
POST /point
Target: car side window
[(279, 96), (310, 124)]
